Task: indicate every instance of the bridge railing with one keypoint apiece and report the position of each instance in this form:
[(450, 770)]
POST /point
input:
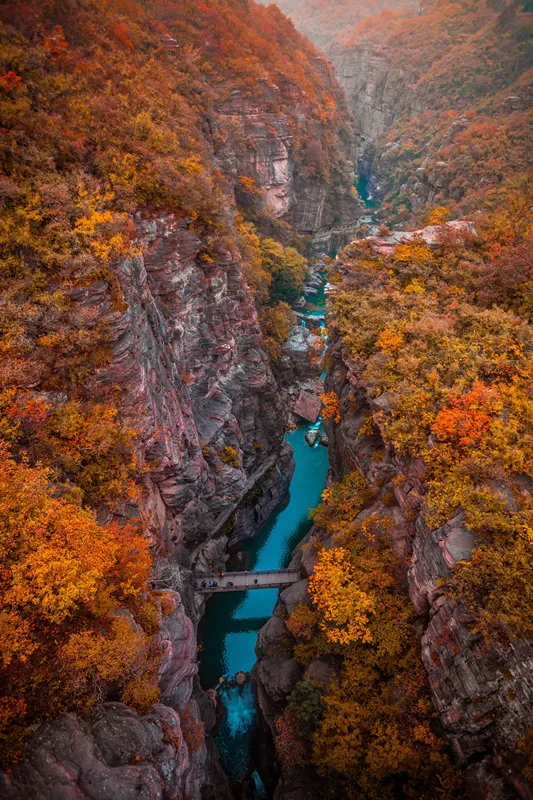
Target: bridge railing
[(262, 579), (247, 572), (241, 587)]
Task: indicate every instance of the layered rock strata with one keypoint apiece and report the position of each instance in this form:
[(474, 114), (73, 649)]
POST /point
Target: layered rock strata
[(188, 350), (482, 692), (401, 77), (262, 146), (198, 388), (113, 752)]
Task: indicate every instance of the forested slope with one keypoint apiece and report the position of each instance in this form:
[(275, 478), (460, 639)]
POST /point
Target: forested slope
[(322, 20), (136, 401)]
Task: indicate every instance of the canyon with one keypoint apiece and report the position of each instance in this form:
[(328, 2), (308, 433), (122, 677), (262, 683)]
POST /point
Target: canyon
[(195, 382), (278, 146)]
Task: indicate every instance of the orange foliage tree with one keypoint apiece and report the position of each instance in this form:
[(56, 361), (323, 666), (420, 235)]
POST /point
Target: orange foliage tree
[(344, 610), (63, 583), (331, 409)]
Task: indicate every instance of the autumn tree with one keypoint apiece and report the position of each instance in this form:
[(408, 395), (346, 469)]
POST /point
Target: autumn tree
[(276, 323), (343, 608), (288, 270), (65, 633)]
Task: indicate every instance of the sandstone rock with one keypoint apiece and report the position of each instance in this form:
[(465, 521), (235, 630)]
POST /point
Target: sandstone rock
[(278, 676), (308, 406), (295, 594), (177, 639), (116, 756), (271, 631), (322, 671), (483, 692), (326, 211)]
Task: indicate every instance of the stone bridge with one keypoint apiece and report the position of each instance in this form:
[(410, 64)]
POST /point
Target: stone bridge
[(242, 581)]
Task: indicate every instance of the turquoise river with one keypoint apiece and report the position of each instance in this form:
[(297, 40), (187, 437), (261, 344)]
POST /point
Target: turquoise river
[(230, 625)]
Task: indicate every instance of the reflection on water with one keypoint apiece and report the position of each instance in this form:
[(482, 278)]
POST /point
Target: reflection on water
[(230, 626)]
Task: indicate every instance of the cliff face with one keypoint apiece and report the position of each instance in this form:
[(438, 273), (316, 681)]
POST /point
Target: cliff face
[(188, 349), (377, 92), (116, 753), (482, 693), (313, 199), (187, 354)]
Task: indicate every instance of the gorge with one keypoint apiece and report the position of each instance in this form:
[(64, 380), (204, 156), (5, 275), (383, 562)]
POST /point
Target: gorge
[(173, 176)]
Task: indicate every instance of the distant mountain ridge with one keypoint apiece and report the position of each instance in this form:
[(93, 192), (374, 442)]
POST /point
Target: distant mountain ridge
[(323, 20)]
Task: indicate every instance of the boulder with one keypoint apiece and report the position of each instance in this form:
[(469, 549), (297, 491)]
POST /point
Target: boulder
[(294, 595), (311, 437), (308, 406)]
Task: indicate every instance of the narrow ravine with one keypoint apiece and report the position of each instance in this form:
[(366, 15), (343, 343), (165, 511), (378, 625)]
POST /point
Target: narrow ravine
[(230, 625)]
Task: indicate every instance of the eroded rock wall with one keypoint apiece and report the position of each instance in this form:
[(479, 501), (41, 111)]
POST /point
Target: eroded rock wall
[(188, 350), (308, 193), (197, 386), (114, 752), (482, 692), (187, 354)]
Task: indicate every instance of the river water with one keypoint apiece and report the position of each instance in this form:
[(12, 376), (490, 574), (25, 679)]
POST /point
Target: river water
[(231, 622)]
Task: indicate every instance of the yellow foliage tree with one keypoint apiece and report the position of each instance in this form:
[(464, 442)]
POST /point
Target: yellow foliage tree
[(344, 609)]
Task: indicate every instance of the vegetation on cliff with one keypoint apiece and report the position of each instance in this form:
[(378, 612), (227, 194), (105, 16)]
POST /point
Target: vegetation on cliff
[(110, 116), (439, 339), (452, 366), (371, 733)]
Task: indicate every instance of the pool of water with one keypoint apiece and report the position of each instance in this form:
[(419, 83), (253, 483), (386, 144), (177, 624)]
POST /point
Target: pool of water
[(316, 303), (231, 622), (363, 192)]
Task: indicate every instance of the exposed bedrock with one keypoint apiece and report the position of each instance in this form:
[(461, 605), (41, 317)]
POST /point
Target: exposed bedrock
[(263, 147), (198, 387), (188, 350), (482, 692), (113, 753), (379, 93)]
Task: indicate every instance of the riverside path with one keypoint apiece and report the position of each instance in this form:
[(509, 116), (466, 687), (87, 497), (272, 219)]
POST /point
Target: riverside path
[(242, 581)]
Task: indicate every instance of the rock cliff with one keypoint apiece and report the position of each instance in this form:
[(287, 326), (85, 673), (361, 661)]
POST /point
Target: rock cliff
[(198, 388), (113, 752), (482, 690), (188, 349), (483, 693), (307, 188)]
